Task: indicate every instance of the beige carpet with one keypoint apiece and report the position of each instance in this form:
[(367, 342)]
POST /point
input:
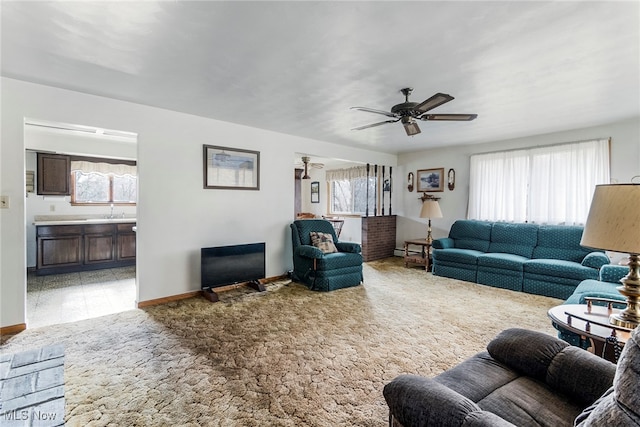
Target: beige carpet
[(285, 357)]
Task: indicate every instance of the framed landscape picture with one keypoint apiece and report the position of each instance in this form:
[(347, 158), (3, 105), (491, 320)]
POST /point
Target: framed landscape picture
[(231, 168), (315, 192), (430, 180)]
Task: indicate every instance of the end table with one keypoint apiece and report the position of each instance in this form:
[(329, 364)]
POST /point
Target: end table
[(592, 322), (421, 258)]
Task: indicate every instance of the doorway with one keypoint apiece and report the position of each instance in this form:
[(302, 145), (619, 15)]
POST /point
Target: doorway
[(68, 296)]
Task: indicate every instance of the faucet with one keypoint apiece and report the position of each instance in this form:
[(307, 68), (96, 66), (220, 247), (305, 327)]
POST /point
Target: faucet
[(111, 214)]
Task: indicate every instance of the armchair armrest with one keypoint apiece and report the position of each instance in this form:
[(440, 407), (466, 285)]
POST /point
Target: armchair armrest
[(595, 260), (613, 273), (309, 251), (421, 402), (349, 247), (443, 243)]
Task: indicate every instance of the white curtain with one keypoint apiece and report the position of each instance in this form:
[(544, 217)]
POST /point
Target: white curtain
[(544, 185), (103, 168), (348, 174), (563, 179), (498, 186)]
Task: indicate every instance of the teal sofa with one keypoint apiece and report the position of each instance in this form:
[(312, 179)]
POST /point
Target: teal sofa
[(324, 271), (538, 259)]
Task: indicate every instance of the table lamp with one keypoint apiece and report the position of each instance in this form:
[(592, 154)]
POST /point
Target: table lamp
[(613, 224), (430, 209)]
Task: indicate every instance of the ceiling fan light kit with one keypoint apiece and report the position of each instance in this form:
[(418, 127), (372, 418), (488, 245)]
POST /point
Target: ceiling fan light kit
[(410, 126), (407, 112)]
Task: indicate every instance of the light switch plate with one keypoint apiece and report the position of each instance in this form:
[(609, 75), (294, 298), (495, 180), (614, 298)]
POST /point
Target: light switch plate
[(4, 202)]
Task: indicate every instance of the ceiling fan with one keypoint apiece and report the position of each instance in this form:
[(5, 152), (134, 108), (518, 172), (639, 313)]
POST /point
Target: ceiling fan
[(307, 163), (408, 112)]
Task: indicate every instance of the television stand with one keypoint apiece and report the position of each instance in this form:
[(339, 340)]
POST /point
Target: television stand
[(255, 284), (210, 295)]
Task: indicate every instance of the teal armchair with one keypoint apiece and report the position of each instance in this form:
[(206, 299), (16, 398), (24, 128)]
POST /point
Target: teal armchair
[(324, 271)]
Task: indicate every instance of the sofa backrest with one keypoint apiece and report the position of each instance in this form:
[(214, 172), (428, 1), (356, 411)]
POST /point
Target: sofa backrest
[(305, 226), (517, 239), (560, 242), (471, 234)]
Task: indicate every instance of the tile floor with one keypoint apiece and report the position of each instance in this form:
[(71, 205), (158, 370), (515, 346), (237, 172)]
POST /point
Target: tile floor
[(62, 298)]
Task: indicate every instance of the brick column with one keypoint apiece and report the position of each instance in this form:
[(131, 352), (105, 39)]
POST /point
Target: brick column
[(378, 237)]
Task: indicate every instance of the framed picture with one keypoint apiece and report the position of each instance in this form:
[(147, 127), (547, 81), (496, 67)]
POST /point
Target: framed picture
[(430, 180), (231, 168), (315, 192)]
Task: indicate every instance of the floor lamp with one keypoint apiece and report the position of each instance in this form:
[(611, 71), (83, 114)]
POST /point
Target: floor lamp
[(430, 209), (613, 224)]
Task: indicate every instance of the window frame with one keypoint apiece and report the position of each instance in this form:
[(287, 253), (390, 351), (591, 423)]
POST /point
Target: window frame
[(111, 177), (378, 189)]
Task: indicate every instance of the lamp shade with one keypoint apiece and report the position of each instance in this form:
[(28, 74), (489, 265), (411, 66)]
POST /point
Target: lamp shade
[(613, 223), (430, 209)]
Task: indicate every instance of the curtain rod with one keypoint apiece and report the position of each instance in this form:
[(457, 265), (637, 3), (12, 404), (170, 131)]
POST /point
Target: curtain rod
[(542, 146)]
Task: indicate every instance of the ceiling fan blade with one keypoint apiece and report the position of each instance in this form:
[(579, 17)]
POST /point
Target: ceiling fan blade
[(433, 102), (454, 117), (372, 110), (374, 124)]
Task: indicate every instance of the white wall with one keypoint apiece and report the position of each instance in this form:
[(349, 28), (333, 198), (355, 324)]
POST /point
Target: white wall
[(625, 163), (176, 216)]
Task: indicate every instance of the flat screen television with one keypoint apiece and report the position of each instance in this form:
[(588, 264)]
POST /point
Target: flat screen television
[(227, 265)]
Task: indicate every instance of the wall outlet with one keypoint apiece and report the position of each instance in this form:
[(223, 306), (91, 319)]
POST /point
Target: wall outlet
[(4, 202), (52, 208)]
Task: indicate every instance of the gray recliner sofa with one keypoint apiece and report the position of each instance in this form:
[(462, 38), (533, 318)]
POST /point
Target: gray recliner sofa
[(524, 378)]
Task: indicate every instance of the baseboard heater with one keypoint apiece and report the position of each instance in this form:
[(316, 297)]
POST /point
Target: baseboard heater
[(229, 265)]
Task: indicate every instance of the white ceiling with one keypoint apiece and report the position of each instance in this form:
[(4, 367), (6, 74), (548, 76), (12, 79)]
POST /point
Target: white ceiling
[(296, 67)]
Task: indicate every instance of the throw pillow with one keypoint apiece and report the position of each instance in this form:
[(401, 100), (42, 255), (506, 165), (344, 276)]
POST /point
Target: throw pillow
[(323, 241)]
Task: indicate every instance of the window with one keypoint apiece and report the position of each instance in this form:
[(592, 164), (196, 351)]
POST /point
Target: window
[(349, 196), (348, 191), (551, 185), (98, 182)]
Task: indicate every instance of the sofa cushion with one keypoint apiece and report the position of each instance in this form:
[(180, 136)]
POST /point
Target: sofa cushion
[(518, 239), (517, 347), (503, 261), (477, 377), (470, 234), (462, 256), (339, 260), (528, 402), (571, 366), (305, 226), (560, 242), (560, 268), (594, 289)]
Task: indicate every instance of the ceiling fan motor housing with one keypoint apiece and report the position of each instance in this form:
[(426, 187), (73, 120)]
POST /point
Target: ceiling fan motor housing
[(405, 109)]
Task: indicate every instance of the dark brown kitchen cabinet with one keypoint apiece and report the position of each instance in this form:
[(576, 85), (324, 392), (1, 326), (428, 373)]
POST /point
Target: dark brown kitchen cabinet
[(98, 243), (125, 242), (68, 248), (54, 174), (59, 247)]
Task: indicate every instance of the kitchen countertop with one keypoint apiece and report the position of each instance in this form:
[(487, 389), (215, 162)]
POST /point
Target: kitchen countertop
[(80, 221)]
